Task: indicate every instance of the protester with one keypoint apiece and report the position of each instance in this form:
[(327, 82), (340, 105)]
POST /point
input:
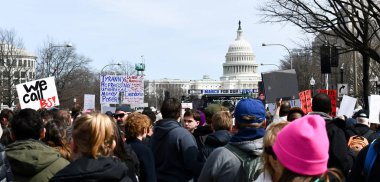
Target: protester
[(5, 169), (302, 149), (362, 170), (121, 114), (174, 148), (245, 147), (55, 137), (340, 155), (191, 120), (126, 154), (93, 143), (270, 161), (6, 117), (30, 159), (138, 126), (221, 125), (201, 132), (282, 110), (361, 128), (295, 113)]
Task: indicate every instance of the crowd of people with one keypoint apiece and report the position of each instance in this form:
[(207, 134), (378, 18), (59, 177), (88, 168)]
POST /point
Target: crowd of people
[(243, 143)]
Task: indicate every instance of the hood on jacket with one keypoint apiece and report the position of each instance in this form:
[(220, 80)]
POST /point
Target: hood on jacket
[(163, 127), (253, 147), (202, 130), (218, 138), (29, 157)]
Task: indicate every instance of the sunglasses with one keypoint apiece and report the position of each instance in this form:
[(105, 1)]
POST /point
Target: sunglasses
[(118, 115)]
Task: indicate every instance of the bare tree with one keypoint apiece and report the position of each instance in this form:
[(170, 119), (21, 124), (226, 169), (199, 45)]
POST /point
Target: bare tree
[(62, 63), (355, 22), (14, 68)]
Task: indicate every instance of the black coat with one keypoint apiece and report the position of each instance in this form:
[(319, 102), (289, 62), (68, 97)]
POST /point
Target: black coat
[(90, 169), (5, 168), (356, 174), (146, 159), (214, 140), (361, 129)]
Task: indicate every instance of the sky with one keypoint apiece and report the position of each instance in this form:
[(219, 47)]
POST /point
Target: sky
[(178, 39)]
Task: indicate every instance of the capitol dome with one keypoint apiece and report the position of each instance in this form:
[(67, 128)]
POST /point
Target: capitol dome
[(240, 61)]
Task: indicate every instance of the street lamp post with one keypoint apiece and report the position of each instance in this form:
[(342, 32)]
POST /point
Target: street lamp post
[(312, 83), (290, 55), (50, 55), (262, 64), (341, 73)]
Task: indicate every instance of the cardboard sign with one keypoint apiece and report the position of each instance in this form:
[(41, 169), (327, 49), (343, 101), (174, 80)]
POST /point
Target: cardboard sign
[(374, 108), (347, 106), (38, 94), (134, 93), (110, 88), (89, 102), (332, 95), (305, 99)]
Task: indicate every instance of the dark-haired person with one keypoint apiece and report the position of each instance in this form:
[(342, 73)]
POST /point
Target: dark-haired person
[(6, 116), (340, 156), (55, 137), (30, 159), (295, 113), (174, 148)]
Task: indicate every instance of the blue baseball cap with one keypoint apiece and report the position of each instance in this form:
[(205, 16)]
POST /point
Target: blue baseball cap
[(249, 111)]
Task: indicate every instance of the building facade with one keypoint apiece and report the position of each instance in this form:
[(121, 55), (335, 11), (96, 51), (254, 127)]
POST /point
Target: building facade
[(16, 66), (239, 77)]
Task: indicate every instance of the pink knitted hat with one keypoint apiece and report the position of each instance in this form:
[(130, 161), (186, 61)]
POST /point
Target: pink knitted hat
[(302, 146)]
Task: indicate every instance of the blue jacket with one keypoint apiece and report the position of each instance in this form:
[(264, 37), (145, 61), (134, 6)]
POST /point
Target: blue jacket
[(175, 151), (145, 155)]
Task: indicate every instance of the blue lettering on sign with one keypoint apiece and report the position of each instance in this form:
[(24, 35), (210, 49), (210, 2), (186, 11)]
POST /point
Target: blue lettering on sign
[(211, 91)]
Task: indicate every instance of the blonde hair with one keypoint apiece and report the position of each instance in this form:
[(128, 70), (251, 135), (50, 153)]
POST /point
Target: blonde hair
[(268, 141), (221, 120), (94, 134), (135, 125)]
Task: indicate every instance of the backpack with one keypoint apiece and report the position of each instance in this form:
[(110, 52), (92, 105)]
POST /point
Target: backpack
[(358, 142), (371, 157), (250, 164)]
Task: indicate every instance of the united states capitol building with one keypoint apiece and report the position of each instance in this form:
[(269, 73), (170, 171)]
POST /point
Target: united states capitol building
[(239, 77)]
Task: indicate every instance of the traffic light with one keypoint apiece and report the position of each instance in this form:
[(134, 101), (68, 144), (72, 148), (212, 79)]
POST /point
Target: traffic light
[(334, 57), (325, 59)]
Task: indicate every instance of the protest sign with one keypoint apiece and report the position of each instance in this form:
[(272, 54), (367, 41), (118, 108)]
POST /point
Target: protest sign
[(89, 102), (38, 94), (280, 84), (305, 99), (332, 95), (134, 93), (374, 108), (347, 106), (111, 86)]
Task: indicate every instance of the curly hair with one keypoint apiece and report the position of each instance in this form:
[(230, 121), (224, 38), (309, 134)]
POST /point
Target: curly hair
[(94, 134), (135, 125)]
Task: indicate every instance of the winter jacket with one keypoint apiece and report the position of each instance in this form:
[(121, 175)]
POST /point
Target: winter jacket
[(175, 152), (87, 168), (200, 134), (32, 160), (223, 166), (361, 130), (214, 140), (340, 156), (5, 168), (146, 160)]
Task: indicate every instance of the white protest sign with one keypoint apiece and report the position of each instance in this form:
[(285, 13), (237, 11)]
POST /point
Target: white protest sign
[(347, 106), (134, 93), (374, 108), (89, 102), (110, 87), (38, 94)]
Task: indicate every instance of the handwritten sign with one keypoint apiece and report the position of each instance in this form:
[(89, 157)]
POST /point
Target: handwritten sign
[(38, 94), (110, 88), (89, 102), (134, 93), (305, 99), (374, 108)]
